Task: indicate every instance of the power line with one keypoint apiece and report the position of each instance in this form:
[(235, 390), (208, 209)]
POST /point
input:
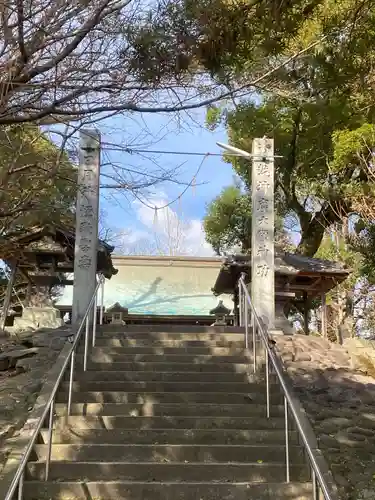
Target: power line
[(125, 149), (190, 184)]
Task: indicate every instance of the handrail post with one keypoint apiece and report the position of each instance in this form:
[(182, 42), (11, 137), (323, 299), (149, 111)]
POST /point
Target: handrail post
[(49, 443), (315, 486), (240, 302), (20, 486), (287, 441), (254, 348), (102, 299), (94, 320), (246, 325), (86, 343), (72, 358), (253, 322), (268, 384)]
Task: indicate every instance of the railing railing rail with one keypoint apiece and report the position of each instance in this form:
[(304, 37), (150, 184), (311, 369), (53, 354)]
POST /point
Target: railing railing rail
[(321, 484), (16, 486)]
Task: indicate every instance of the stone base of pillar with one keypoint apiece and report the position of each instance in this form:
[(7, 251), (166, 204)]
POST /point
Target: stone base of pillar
[(38, 317), (281, 325), (219, 323)]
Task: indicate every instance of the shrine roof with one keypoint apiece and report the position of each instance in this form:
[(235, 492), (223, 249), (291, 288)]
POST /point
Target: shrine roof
[(220, 309), (116, 308), (37, 245), (295, 271)]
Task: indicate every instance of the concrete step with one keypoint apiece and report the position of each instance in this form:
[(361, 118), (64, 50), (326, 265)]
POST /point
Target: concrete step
[(122, 341), (188, 336), (139, 453), (211, 350), (150, 399), (74, 435), (170, 409), (159, 472), (182, 329), (122, 490), (160, 376), (126, 366), (179, 387), (177, 422), (113, 354)]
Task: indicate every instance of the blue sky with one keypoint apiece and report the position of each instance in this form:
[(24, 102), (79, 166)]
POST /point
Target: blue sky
[(132, 221)]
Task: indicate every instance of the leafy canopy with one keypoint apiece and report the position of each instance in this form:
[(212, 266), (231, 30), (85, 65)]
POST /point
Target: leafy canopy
[(319, 111), (37, 181), (227, 223)]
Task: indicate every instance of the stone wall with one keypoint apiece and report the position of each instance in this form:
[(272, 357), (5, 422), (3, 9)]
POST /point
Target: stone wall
[(19, 388), (362, 354), (339, 399)]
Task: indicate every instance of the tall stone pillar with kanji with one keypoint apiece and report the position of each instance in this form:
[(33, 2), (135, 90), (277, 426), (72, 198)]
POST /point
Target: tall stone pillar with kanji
[(263, 231), (87, 219)]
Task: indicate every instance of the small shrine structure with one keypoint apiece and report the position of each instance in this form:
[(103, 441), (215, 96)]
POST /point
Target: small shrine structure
[(298, 280), (40, 259), (116, 314), (220, 312)]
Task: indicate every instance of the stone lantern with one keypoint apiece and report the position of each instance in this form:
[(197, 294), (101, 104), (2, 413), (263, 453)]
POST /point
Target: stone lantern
[(220, 312), (117, 313)]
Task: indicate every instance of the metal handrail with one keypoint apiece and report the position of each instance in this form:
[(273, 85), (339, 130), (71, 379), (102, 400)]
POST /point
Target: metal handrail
[(18, 478), (289, 400)]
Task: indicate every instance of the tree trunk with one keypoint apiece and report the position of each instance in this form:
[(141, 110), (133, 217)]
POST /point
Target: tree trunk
[(311, 240), (313, 232)]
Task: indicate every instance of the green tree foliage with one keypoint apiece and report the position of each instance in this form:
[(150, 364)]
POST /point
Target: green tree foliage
[(363, 243), (37, 187), (37, 182), (312, 183), (227, 223), (320, 114), (319, 108), (229, 39), (83, 58), (334, 247), (80, 59)]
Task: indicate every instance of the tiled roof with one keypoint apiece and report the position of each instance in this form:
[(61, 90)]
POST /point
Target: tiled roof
[(288, 263)]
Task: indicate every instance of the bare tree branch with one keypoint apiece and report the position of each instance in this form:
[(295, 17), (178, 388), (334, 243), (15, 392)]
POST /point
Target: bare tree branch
[(67, 60)]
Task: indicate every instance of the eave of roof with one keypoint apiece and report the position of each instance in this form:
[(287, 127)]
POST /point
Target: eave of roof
[(293, 267)]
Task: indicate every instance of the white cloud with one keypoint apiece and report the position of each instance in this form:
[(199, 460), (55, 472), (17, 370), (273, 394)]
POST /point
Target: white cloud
[(195, 239), (164, 232), (135, 235)]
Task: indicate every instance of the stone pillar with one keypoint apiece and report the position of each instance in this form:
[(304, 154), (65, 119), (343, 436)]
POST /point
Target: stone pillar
[(29, 292), (306, 313), (8, 294), (263, 229), (236, 312), (324, 331), (87, 218)]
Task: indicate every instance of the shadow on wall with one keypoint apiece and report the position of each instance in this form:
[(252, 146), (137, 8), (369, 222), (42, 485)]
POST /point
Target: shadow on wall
[(156, 301), (151, 291)]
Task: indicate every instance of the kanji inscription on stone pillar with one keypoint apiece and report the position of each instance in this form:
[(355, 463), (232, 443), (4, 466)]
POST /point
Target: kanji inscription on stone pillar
[(263, 224), (87, 217)]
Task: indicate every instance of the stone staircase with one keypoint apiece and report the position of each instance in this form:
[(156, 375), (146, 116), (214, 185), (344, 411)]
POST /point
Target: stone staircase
[(168, 415)]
